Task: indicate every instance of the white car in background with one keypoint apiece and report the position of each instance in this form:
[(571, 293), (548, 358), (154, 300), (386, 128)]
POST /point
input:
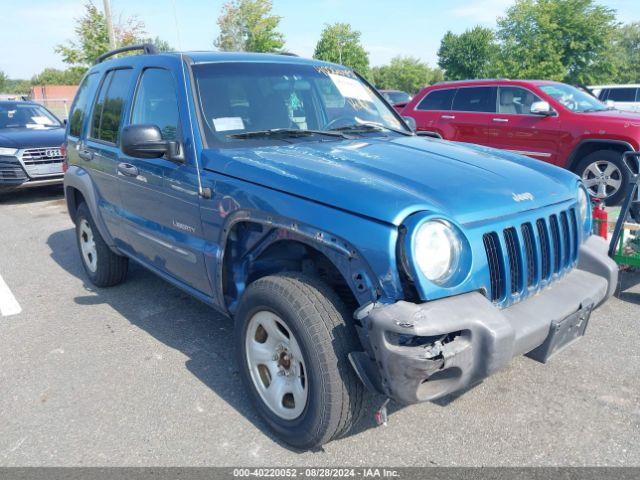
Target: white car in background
[(621, 97)]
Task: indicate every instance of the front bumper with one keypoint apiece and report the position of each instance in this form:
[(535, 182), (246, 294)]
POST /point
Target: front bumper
[(458, 341)]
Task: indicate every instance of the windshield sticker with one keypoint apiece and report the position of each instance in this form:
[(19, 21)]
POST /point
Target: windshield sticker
[(224, 124), (41, 120), (350, 88)]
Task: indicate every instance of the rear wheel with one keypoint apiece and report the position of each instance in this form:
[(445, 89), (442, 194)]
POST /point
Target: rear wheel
[(605, 175), (293, 341), (103, 267)]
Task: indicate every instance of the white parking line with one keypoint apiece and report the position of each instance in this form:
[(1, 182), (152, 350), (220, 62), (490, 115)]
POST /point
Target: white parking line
[(8, 303)]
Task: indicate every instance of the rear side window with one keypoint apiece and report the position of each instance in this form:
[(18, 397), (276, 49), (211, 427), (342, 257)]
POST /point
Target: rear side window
[(107, 111), (475, 99), (603, 94), (437, 100), (156, 102), (622, 94), (81, 105)]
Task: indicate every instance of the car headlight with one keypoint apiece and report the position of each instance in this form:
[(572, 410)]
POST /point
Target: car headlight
[(8, 151), (437, 250), (583, 205)]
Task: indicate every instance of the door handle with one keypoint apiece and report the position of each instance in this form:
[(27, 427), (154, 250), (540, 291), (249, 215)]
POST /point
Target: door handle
[(128, 170), (448, 117), (85, 155), (501, 120)]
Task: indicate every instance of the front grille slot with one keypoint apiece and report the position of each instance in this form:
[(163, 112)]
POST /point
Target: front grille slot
[(42, 162), (545, 257), (496, 265), (555, 241), (530, 254), (515, 260)]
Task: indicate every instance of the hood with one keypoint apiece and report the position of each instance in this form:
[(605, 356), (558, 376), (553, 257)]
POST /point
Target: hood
[(390, 178), (31, 137)]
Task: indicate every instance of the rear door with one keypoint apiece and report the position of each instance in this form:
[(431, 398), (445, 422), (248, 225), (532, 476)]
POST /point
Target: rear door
[(161, 196), (433, 112), (516, 129), (99, 152), (471, 114)]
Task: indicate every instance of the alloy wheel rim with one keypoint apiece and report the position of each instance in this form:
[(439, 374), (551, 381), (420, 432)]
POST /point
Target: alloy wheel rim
[(602, 178), (276, 365), (88, 246)]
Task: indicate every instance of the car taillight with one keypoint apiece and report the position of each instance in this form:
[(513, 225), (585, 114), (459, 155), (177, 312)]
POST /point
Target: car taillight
[(63, 153)]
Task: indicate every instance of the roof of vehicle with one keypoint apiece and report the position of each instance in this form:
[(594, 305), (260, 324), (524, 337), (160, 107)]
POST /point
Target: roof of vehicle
[(201, 57), (619, 85), (490, 81), (6, 103)]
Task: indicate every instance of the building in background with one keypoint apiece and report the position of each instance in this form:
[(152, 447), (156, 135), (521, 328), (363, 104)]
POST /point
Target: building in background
[(56, 98)]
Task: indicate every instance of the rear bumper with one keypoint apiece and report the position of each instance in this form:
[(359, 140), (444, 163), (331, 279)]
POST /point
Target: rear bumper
[(426, 351)]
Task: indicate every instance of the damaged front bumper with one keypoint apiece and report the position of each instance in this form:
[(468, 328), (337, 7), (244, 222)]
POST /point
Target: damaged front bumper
[(426, 351)]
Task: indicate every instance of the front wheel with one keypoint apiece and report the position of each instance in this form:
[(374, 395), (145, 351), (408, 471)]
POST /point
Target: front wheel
[(293, 340), (605, 175)]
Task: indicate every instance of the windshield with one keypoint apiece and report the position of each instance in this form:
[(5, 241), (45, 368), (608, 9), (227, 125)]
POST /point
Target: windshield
[(25, 115), (397, 97), (239, 98), (573, 99)]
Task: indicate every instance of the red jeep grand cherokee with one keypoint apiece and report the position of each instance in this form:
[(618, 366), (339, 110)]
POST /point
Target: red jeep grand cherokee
[(546, 120)]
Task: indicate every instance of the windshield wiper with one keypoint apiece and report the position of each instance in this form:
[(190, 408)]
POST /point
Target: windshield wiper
[(365, 127), (286, 132)]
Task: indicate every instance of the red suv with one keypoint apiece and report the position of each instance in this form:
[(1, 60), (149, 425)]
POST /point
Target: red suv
[(549, 121)]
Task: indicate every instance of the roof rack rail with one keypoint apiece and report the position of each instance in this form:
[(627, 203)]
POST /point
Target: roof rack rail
[(147, 48)]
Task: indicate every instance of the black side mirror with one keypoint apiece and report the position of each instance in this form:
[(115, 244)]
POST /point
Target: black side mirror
[(145, 141)]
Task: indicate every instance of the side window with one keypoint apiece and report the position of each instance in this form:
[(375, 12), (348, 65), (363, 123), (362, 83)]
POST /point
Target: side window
[(622, 94), (437, 100), (156, 102), (81, 105), (475, 99), (516, 100), (107, 111), (602, 96)]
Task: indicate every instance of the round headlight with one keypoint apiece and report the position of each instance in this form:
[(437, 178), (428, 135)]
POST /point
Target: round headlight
[(437, 250), (583, 204)]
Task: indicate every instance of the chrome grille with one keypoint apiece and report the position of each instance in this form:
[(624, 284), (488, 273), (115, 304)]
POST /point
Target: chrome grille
[(525, 257), (45, 161)]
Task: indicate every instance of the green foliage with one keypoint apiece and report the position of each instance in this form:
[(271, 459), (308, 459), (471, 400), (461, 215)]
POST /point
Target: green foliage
[(627, 53), (53, 76), (249, 26), (468, 55), (567, 40), (408, 74), (92, 39), (3, 81), (339, 43), (16, 87)]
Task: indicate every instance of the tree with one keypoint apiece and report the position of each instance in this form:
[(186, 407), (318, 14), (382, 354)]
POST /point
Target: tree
[(627, 57), (468, 55), (17, 87), (408, 74), (249, 26), (339, 43), (53, 76), (568, 40), (3, 81), (92, 39)]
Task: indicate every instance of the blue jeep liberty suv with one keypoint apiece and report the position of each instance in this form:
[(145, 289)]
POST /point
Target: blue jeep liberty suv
[(352, 254)]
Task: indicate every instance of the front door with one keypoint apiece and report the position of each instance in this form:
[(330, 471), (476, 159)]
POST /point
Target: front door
[(160, 196), (516, 129)]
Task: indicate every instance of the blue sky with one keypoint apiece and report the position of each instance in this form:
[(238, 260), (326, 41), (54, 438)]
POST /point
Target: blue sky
[(389, 27)]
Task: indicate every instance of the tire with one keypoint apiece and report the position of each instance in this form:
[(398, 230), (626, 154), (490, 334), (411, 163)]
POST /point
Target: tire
[(314, 317), (609, 163), (103, 267)]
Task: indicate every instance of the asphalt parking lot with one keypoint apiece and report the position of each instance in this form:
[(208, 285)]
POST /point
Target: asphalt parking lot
[(141, 374)]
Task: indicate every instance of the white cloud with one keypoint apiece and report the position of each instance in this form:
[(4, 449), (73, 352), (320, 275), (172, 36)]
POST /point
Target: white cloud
[(482, 11)]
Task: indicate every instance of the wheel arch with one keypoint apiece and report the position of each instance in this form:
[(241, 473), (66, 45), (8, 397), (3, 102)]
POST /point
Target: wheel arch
[(256, 245), (586, 147)]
